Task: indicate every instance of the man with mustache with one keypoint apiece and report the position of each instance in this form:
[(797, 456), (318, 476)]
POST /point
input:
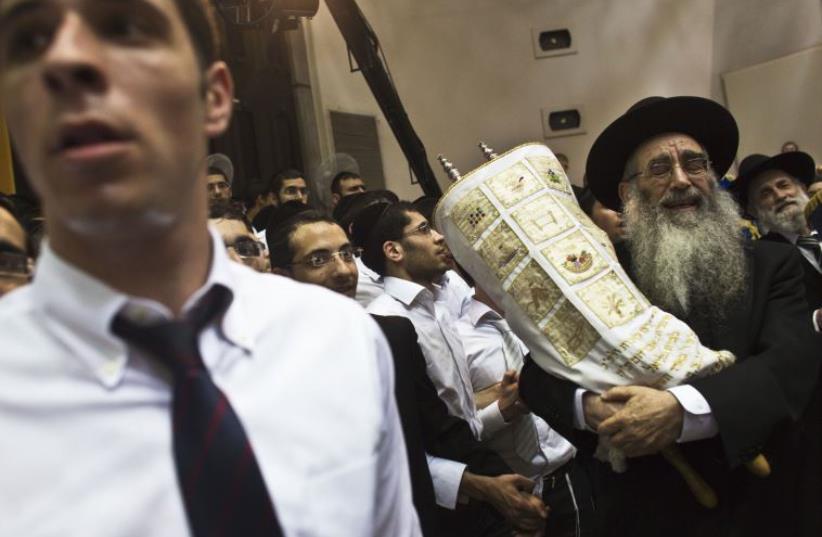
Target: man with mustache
[(658, 163), (151, 386), (774, 191)]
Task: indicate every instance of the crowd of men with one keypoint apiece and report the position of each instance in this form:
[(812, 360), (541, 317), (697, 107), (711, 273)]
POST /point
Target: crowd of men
[(175, 360)]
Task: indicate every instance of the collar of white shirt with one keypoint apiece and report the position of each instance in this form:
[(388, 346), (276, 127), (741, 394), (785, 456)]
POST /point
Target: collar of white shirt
[(80, 309), (366, 270), (476, 311), (405, 291), (793, 237)]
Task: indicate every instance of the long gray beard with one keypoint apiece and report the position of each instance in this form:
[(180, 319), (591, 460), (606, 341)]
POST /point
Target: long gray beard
[(690, 263), (791, 221)]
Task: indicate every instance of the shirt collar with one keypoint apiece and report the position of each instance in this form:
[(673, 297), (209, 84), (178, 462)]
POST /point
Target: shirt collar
[(476, 311), (80, 308), (790, 237), (405, 291), (366, 270), (793, 237)]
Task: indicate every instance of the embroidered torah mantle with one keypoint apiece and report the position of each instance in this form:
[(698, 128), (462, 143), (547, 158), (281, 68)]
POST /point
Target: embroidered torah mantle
[(516, 227)]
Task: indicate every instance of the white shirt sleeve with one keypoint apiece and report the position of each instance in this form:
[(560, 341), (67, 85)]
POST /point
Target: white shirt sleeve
[(394, 512), (698, 422), (447, 478), (579, 411), (492, 420), (816, 326)]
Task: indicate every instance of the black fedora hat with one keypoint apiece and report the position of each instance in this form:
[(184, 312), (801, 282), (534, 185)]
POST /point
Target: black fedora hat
[(797, 164), (706, 121)]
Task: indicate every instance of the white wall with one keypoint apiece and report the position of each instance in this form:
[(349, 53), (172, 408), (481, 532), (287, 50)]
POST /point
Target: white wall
[(749, 32), (466, 71), (777, 101)]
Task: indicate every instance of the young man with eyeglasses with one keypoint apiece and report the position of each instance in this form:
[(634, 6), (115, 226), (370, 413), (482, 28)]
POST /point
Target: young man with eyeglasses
[(150, 385), (312, 248), (403, 247), (238, 236), (659, 164)]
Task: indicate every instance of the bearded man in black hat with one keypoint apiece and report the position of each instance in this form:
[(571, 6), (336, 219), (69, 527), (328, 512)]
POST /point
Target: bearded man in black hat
[(774, 191), (658, 164)]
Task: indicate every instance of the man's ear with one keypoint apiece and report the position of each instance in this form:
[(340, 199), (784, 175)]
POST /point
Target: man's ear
[(335, 199), (393, 251), (624, 191), (219, 95)]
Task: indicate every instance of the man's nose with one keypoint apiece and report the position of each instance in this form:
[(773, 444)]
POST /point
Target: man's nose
[(73, 64), (342, 267), (680, 180)]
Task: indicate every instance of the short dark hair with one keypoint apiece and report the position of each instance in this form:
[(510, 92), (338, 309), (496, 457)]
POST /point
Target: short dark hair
[(228, 210), (278, 236), (378, 224), (200, 18), (339, 178), (425, 205), (350, 206), (278, 180), (255, 189), (216, 171)]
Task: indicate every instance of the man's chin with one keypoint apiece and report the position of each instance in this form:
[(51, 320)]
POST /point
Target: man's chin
[(112, 224)]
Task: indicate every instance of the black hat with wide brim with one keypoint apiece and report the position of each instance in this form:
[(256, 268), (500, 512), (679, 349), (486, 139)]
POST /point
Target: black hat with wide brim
[(797, 164), (704, 120)]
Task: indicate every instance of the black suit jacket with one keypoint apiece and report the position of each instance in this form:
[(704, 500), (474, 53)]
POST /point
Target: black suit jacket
[(426, 423), (771, 335), (813, 278), (756, 402)]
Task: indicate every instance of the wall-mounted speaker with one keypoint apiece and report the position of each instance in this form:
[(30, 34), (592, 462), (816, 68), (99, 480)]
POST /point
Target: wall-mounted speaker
[(563, 121), (550, 42)]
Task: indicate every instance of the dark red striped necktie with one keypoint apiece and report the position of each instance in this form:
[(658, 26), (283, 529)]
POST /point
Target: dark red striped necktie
[(222, 487)]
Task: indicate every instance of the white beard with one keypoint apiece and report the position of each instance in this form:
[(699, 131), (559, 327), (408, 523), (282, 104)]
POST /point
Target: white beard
[(692, 262), (791, 221)]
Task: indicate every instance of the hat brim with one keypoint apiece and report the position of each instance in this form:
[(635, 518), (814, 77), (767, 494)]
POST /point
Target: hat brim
[(706, 121), (797, 164)]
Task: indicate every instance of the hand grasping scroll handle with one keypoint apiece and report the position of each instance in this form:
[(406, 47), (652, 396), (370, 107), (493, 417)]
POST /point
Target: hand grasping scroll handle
[(640, 421)]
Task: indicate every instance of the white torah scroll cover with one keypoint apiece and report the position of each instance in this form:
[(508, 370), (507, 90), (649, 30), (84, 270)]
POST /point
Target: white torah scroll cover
[(515, 226)]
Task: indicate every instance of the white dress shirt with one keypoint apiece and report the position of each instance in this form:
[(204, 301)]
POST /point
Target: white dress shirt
[(433, 317), (87, 440), (369, 284), (490, 355)]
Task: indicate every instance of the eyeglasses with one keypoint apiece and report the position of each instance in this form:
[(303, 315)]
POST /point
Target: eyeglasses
[(663, 169), (247, 247), (13, 264), (422, 229), (321, 258)]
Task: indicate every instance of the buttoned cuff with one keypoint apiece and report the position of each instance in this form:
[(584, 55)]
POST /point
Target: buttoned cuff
[(447, 477), (698, 422), (492, 420), (579, 411)]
